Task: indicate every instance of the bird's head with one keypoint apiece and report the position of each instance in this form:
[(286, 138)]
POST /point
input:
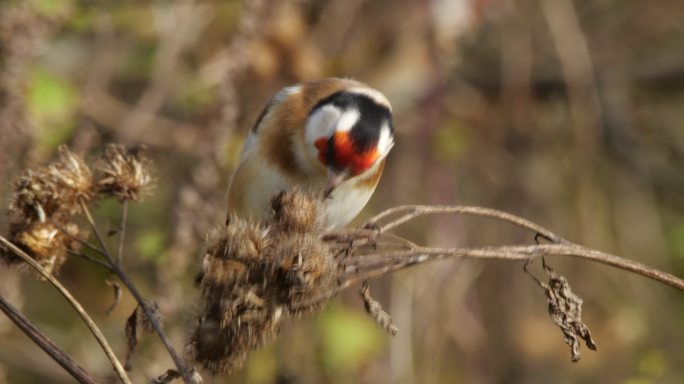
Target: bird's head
[(350, 131)]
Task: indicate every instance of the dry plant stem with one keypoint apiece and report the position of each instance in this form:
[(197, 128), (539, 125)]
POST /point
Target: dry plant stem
[(368, 266), (47, 345), (409, 212), (76, 238), (122, 231), (118, 368), (91, 259), (393, 261), (138, 297)]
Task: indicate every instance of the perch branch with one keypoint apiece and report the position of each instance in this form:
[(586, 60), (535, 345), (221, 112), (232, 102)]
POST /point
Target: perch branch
[(369, 259)]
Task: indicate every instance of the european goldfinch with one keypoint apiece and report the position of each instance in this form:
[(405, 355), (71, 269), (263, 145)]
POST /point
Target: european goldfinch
[(330, 135)]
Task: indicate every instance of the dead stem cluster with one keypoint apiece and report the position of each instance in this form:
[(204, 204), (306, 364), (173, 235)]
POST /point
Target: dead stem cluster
[(48, 201)]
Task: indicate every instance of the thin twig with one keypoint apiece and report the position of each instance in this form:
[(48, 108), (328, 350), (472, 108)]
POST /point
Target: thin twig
[(410, 212), (118, 368), (122, 232), (91, 259), (75, 238), (47, 345), (138, 297)]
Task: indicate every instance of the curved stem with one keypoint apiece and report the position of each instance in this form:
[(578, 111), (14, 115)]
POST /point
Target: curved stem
[(122, 232), (118, 368), (409, 212)]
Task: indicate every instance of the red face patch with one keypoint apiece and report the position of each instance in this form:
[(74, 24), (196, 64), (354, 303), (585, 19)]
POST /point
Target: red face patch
[(344, 154)]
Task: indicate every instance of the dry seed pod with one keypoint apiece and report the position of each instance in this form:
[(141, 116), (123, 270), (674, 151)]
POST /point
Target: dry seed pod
[(308, 268), (295, 211), (35, 197), (125, 174), (73, 178), (47, 244)]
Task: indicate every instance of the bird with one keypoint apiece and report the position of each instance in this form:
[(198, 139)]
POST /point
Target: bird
[(330, 135)]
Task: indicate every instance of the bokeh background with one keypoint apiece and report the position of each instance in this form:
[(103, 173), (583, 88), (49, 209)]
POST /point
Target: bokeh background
[(569, 113)]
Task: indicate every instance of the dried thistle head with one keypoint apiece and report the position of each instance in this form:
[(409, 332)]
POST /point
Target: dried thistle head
[(73, 178), (230, 249), (46, 243), (309, 270), (296, 211), (34, 198), (237, 315), (44, 201), (53, 191), (125, 174)]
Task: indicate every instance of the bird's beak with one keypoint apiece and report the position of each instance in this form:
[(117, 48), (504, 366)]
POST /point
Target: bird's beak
[(335, 178)]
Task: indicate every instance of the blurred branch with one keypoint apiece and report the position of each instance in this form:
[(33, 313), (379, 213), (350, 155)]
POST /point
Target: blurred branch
[(180, 25), (47, 345), (578, 72), (118, 368), (161, 131)]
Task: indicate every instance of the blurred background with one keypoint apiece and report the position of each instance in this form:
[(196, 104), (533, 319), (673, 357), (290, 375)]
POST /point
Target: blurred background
[(569, 113)]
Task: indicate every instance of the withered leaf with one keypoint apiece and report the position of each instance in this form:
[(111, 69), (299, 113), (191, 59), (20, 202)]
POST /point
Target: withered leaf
[(374, 308), (565, 309)]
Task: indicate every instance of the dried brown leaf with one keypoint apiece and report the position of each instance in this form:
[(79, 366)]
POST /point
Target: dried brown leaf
[(565, 309)]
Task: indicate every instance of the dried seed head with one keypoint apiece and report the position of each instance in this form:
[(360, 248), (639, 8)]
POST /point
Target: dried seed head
[(125, 174), (309, 270), (35, 197), (229, 251), (73, 178), (52, 191), (47, 244), (295, 211), (222, 349)]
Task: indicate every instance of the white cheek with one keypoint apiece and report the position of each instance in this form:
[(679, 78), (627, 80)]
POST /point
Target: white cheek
[(321, 123)]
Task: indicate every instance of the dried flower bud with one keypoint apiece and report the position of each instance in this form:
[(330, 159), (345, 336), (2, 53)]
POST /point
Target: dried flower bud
[(230, 250), (308, 268), (126, 174), (73, 177), (46, 243), (35, 197), (52, 191), (295, 211)]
